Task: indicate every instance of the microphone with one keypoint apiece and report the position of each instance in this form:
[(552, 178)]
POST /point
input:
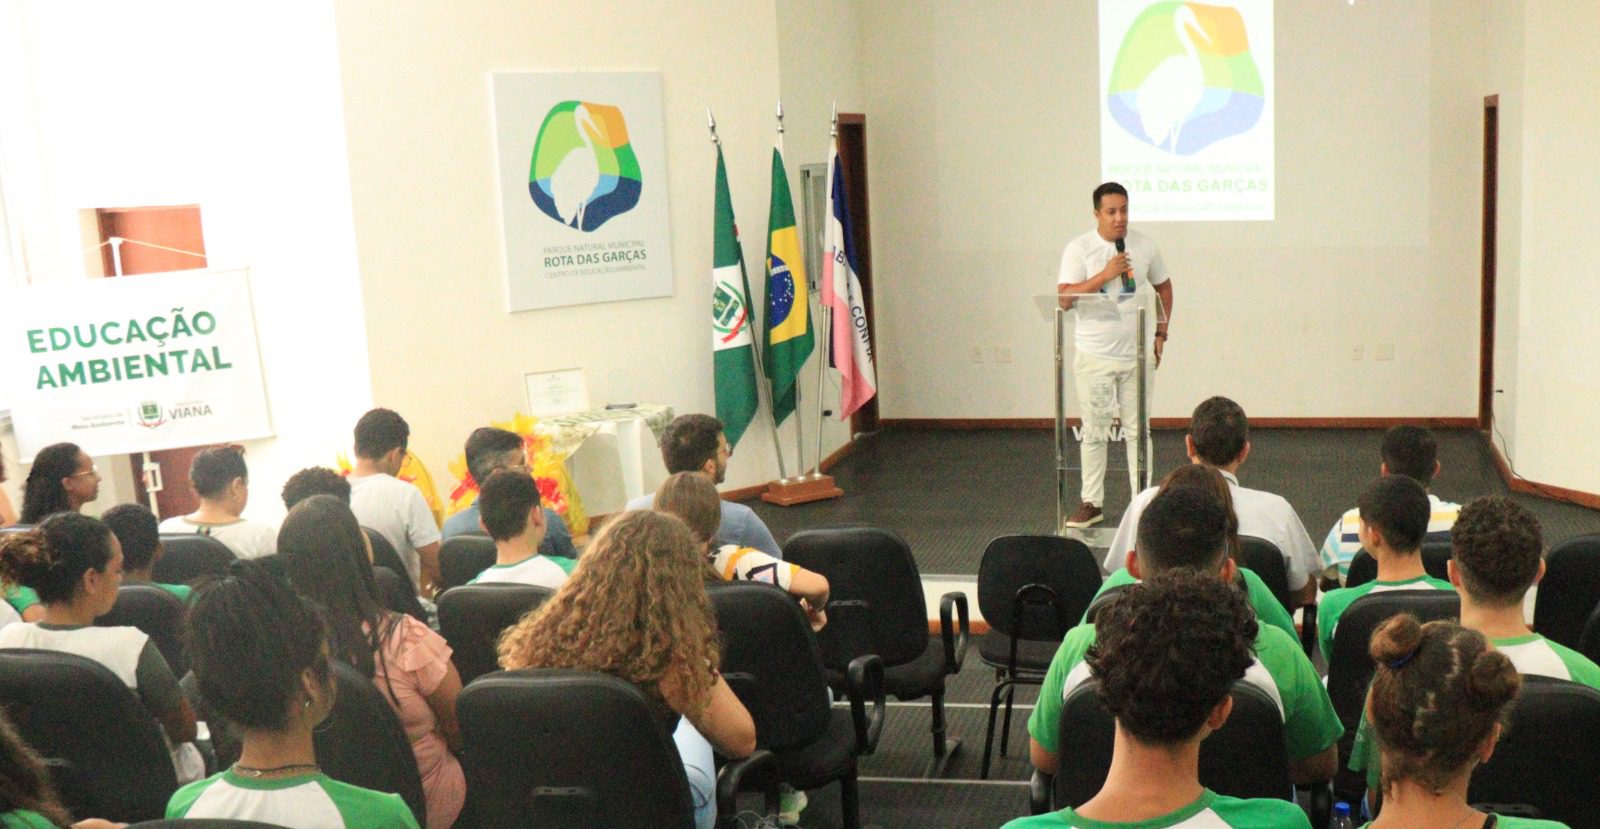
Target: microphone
[(1127, 281)]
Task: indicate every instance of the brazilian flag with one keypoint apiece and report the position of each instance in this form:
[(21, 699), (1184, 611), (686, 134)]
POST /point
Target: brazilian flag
[(788, 317)]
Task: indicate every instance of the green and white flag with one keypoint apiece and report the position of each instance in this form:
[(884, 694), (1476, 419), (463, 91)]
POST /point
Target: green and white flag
[(733, 345)]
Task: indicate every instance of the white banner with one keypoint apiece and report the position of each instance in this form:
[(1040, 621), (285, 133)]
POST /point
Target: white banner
[(1186, 108), (133, 364)]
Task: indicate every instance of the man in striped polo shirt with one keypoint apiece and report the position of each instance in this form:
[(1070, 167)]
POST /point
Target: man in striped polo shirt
[(1411, 451)]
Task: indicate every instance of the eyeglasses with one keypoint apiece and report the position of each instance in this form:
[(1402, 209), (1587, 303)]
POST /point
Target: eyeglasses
[(95, 471)]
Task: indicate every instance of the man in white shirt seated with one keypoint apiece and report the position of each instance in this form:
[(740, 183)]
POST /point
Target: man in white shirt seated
[(1411, 451), (1219, 437), (510, 512), (695, 443), (389, 505), (222, 481)]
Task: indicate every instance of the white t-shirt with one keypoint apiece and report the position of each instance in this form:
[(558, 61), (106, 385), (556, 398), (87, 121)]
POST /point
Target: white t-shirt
[(398, 511), (8, 614), (537, 570), (246, 538), (1101, 331), (1261, 514)]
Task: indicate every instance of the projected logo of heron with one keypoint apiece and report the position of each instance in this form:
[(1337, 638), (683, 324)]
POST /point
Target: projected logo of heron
[(584, 172), (1184, 79)]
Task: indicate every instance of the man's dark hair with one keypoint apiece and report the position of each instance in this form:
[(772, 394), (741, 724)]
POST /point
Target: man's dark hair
[(314, 480), (1110, 188), (1167, 652), (42, 492), (250, 639), (485, 447), (1411, 451), (137, 529), (1219, 430), (1497, 545), (214, 469), (1399, 509), (504, 502), (379, 432), (689, 441), (1182, 527)]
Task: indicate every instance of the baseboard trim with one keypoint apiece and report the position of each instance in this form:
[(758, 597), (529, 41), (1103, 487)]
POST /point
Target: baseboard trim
[(977, 627), (1523, 486), (1183, 422), (838, 455)]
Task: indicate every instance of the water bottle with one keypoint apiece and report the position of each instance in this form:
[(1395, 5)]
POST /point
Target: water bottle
[(1341, 817)]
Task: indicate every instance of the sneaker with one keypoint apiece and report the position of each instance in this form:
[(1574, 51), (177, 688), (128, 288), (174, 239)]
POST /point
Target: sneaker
[(791, 802), (1087, 515)]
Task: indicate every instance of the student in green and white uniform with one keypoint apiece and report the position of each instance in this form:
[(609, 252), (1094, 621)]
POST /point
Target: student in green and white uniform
[(510, 512), (1192, 633), (1436, 706), (23, 601), (1394, 513), (260, 655), (1496, 558), (1185, 528), (138, 530)]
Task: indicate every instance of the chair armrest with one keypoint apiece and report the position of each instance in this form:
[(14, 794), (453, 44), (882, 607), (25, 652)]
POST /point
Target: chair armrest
[(1040, 789), (1308, 630), (955, 644), (863, 681), (758, 772)]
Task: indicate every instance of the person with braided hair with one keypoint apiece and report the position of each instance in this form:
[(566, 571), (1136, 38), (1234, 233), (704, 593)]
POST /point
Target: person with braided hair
[(1438, 702), (1167, 653)]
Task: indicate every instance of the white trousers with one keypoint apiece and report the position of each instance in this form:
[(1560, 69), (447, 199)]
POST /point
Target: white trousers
[(1107, 390)]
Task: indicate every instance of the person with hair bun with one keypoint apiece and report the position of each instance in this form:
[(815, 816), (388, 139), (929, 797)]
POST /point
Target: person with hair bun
[(222, 481), (74, 562), (1437, 705), (260, 656), (1167, 654)]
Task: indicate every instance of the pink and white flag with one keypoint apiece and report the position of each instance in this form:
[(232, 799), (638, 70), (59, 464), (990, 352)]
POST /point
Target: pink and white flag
[(850, 343)]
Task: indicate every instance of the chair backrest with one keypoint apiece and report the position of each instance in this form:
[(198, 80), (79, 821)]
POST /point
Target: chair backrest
[(1011, 562), (463, 557), (875, 601), (385, 556), (1435, 560), (1100, 602), (189, 557), (1244, 758), (1349, 666), (472, 617), (771, 661), (362, 742), (1264, 559), (1569, 590), (105, 752), (159, 614), (1590, 644), (569, 748), (395, 593), (1549, 756)]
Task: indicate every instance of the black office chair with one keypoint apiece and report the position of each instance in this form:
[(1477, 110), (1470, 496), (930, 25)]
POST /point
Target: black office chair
[(158, 614), (1435, 560), (1264, 559), (362, 742), (105, 752), (472, 617), (1100, 602), (1548, 758), (1245, 758), (1032, 589), (1590, 644), (876, 606), (188, 557), (1350, 666), (771, 661), (1569, 590), (462, 558), (583, 750)]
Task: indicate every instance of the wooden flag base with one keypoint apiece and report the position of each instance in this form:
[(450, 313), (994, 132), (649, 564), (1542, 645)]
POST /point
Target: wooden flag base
[(801, 490)]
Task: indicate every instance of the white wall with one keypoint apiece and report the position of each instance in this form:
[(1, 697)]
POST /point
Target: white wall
[(985, 147), (419, 117), (236, 108)]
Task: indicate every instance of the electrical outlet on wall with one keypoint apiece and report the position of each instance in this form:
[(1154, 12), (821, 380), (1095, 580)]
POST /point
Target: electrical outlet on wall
[(1383, 351)]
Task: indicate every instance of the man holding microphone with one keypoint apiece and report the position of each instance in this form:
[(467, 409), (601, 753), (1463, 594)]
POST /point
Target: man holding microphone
[(1110, 262)]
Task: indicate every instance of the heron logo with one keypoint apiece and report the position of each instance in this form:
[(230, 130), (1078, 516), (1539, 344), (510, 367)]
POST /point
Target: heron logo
[(584, 172), (1184, 78)]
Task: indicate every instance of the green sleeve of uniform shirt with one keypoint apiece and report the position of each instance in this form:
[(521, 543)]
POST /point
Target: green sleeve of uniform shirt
[(1332, 606), (1309, 722), (1584, 671), (368, 809), (20, 598), (1044, 724), (24, 819), (566, 564), (1269, 611)]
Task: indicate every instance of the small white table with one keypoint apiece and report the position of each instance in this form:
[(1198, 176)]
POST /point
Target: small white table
[(607, 454)]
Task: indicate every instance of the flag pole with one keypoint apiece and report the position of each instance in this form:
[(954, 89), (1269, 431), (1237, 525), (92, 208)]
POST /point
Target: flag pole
[(827, 309), (755, 346), (799, 430)]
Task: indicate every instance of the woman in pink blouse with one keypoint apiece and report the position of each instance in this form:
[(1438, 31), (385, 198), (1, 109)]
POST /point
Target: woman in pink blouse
[(326, 558)]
